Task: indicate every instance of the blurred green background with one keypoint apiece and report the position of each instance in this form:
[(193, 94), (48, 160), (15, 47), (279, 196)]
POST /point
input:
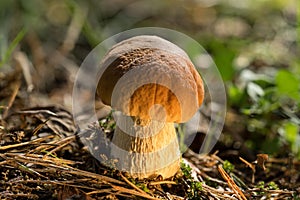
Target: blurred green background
[(254, 43)]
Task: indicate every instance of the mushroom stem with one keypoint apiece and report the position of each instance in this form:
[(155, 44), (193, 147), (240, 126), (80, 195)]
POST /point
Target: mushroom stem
[(146, 148)]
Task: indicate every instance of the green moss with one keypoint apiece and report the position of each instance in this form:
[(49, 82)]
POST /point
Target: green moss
[(228, 166)]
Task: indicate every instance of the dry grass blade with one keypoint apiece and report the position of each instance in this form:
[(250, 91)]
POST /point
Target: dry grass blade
[(20, 166), (54, 143), (61, 166), (25, 64), (15, 157), (217, 194), (30, 170), (95, 176), (134, 186), (65, 142), (12, 98), (55, 160), (252, 167), (73, 183), (133, 192), (231, 183), (162, 182), (39, 127), (59, 161), (109, 191), (36, 141), (28, 196), (74, 29), (31, 112)]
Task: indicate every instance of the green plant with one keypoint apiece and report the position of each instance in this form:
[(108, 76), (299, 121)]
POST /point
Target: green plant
[(108, 122), (228, 166), (266, 187), (143, 186), (272, 186), (194, 187), (261, 187), (271, 104), (6, 53)]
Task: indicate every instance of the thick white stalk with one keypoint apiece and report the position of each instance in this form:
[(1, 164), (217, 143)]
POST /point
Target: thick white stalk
[(145, 148)]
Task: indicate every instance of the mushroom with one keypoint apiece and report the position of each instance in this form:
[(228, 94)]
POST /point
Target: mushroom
[(151, 84)]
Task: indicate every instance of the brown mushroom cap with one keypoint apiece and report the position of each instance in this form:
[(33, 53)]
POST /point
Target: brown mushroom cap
[(145, 71)]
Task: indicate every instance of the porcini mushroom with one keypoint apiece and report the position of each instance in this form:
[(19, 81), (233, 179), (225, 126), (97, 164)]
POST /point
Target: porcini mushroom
[(151, 84)]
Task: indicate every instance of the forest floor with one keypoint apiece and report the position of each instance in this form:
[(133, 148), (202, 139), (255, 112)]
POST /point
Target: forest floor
[(254, 44), (41, 157)]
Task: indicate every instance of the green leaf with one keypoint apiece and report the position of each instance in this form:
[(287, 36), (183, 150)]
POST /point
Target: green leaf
[(291, 131), (288, 84), (291, 134), (12, 46), (235, 95), (223, 57)]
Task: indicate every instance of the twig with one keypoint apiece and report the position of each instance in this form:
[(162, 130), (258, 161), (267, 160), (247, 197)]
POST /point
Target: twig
[(10, 195), (61, 145), (132, 185), (12, 98), (271, 191), (25, 143), (56, 182), (203, 174), (133, 192), (100, 191), (231, 183), (252, 167), (21, 167), (58, 166), (39, 127), (25, 64), (37, 112), (163, 182), (74, 29), (52, 159), (53, 143), (94, 175), (214, 192)]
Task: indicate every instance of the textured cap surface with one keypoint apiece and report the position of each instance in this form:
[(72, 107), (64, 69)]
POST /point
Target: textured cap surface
[(149, 77)]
